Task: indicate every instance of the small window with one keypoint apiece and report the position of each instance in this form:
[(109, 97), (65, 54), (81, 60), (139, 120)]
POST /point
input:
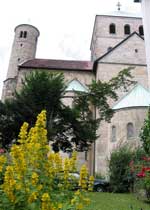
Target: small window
[(130, 130), (25, 34), (112, 28), (141, 31), (113, 134), (127, 29), (21, 45), (86, 155), (21, 34), (109, 48)]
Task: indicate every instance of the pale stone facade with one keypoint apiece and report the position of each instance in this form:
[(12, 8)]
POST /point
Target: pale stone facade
[(127, 50), (102, 39)]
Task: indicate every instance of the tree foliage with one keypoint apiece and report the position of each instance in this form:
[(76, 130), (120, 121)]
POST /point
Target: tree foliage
[(67, 127), (145, 134)]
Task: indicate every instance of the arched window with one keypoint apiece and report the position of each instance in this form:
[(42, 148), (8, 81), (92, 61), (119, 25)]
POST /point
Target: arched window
[(130, 130), (21, 34), (112, 28), (127, 29), (113, 134), (25, 34), (141, 31)]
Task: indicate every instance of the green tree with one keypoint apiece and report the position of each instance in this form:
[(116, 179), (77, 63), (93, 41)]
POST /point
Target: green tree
[(67, 127), (42, 90), (145, 134)]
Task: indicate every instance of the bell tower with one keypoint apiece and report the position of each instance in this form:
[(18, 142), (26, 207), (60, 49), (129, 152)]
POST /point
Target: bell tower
[(23, 49), (145, 6)]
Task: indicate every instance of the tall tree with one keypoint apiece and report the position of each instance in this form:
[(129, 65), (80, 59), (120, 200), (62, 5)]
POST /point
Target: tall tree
[(68, 128)]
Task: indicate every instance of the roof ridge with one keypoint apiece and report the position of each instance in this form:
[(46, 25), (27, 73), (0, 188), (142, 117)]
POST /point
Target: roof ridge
[(117, 45)]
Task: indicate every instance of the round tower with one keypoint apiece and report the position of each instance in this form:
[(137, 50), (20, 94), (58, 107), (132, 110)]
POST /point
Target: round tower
[(23, 49)]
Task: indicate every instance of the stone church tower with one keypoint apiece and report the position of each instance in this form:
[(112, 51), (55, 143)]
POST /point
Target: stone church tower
[(23, 49)]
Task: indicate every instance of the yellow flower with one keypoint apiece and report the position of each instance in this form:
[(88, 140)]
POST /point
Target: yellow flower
[(45, 197), (33, 197), (35, 178), (2, 162), (83, 177), (90, 184), (23, 133), (73, 201), (79, 206), (77, 192), (60, 205), (39, 187)]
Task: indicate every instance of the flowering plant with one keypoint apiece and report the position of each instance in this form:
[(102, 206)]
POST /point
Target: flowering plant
[(32, 179), (142, 173)]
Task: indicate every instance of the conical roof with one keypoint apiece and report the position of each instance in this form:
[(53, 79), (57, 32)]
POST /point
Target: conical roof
[(137, 97)]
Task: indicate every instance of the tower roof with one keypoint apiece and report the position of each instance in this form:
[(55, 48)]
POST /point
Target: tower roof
[(27, 25), (137, 97), (121, 13)]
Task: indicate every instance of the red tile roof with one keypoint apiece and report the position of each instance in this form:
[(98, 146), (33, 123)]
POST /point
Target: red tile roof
[(58, 64)]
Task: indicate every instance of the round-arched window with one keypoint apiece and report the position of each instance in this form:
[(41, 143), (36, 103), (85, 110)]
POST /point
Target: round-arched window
[(127, 29), (112, 28), (113, 134), (130, 130), (141, 30)]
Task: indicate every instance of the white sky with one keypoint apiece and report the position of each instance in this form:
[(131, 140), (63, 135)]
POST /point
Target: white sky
[(65, 26)]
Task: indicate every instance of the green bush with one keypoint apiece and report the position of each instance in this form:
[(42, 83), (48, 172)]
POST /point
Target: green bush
[(121, 179)]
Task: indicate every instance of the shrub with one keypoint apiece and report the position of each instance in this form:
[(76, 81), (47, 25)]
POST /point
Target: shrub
[(35, 178), (121, 179), (142, 181)]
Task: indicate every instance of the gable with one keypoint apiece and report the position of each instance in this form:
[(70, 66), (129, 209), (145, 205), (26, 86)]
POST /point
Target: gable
[(75, 85), (130, 51)]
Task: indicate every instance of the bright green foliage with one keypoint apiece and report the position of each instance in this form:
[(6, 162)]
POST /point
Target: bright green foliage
[(145, 134), (121, 179), (116, 201)]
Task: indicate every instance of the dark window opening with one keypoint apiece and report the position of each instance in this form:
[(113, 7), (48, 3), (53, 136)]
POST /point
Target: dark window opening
[(21, 45), (21, 34), (109, 48), (127, 29), (25, 34), (136, 50), (130, 130), (112, 28), (113, 135), (141, 30), (86, 155)]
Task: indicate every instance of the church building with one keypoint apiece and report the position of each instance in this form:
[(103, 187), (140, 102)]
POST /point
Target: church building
[(117, 43)]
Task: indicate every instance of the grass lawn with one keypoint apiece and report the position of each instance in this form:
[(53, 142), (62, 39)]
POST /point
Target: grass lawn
[(112, 201)]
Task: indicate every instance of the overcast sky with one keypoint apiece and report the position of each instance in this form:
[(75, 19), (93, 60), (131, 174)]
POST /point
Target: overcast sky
[(65, 26)]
